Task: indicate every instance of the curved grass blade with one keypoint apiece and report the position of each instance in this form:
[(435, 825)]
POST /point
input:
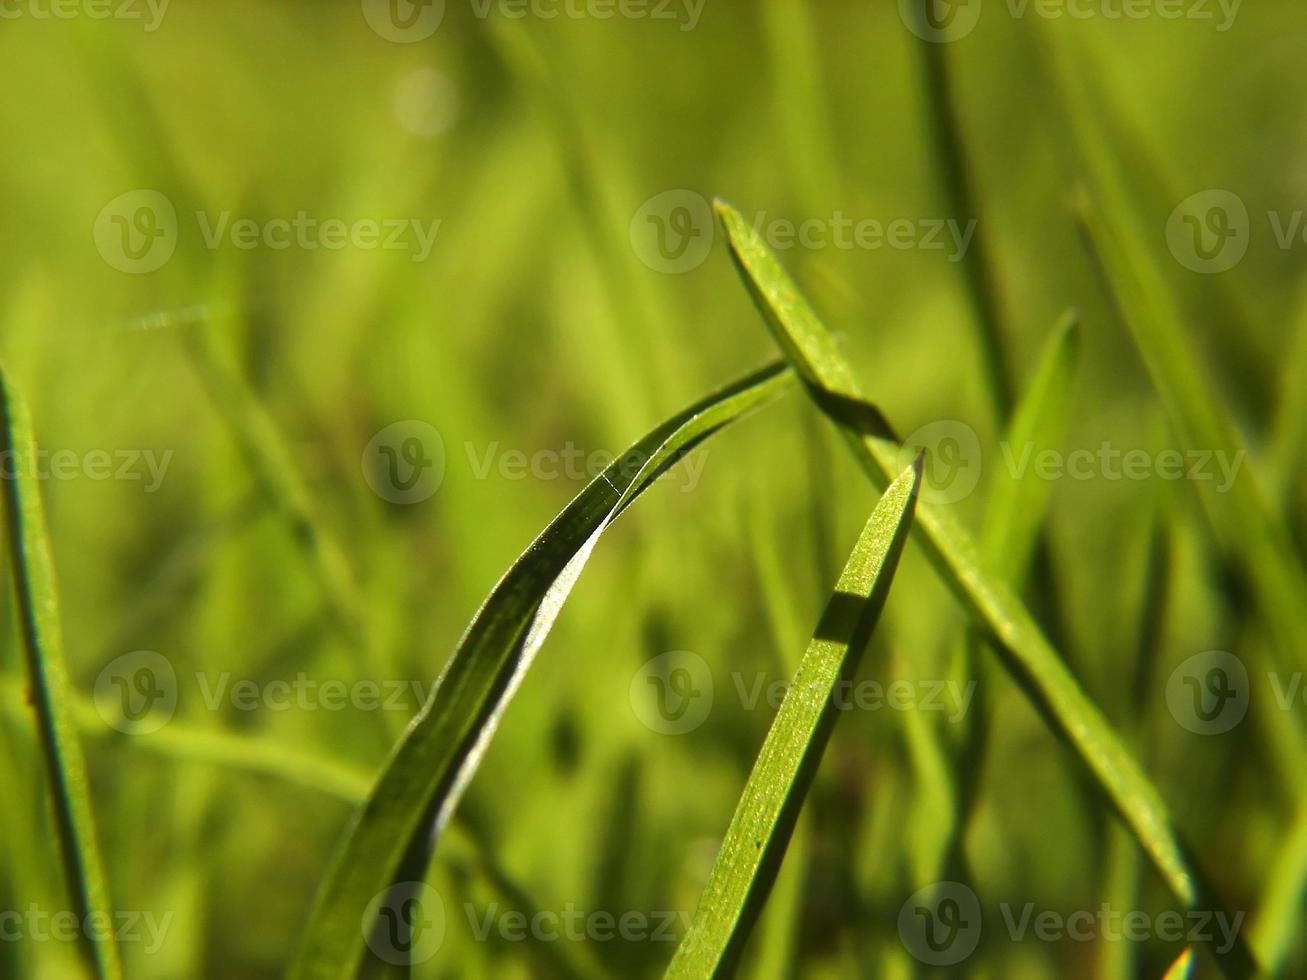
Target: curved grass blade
[(50, 691), (764, 819), (426, 773), (1025, 652)]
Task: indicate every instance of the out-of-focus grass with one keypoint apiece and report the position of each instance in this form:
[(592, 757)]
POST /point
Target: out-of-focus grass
[(511, 335)]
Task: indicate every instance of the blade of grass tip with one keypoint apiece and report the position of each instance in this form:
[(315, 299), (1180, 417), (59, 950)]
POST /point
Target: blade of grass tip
[(1025, 652), (1245, 526), (1279, 918), (1014, 512), (425, 775), (32, 572), (758, 834), (1181, 968)]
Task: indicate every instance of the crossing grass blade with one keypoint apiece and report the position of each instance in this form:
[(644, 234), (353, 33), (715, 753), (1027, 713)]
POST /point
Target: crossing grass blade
[(755, 843), (49, 689), (1025, 652), (424, 777)]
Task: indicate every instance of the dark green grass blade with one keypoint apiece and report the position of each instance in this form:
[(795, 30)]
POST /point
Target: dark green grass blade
[(50, 692), (423, 779), (755, 843), (1245, 524), (1025, 652)]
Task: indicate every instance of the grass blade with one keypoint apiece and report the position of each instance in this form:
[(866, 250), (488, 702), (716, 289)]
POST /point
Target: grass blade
[(49, 689), (1014, 512), (1018, 640), (755, 843), (426, 773)]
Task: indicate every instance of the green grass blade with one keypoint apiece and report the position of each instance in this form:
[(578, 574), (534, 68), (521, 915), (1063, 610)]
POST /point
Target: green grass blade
[(1015, 509), (1182, 967), (1245, 525), (1025, 652), (426, 773), (755, 843), (49, 689)]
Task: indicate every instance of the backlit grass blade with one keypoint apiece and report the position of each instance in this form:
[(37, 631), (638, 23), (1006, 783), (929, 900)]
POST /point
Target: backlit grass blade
[(1182, 967), (426, 773), (1025, 652), (1015, 509), (755, 843), (33, 576)]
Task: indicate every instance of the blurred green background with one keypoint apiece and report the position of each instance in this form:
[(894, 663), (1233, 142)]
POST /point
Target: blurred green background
[(538, 322)]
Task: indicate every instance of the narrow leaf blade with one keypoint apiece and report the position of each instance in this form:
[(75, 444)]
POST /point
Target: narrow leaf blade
[(1025, 652), (426, 773), (51, 694), (764, 819)]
